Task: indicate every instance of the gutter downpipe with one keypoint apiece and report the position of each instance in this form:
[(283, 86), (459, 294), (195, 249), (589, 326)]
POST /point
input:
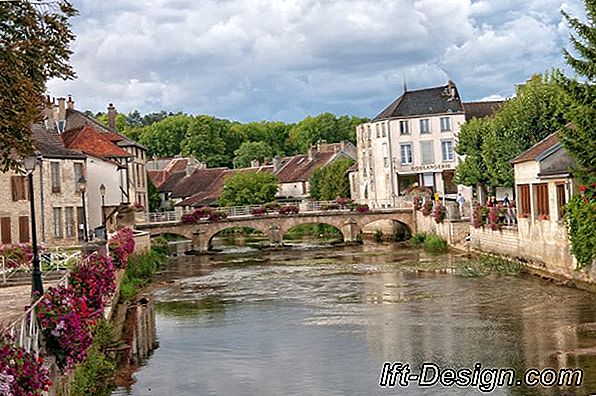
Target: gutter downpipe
[(391, 164)]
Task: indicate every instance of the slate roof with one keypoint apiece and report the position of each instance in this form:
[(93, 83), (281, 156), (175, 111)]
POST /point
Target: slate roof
[(536, 151), (50, 145), (299, 168), (481, 109), (87, 140), (427, 101), (199, 180)]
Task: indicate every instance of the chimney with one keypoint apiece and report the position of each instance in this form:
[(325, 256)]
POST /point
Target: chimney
[(112, 116), (70, 102), (452, 91), (311, 152), (276, 164), (50, 123), (254, 163), (61, 109)]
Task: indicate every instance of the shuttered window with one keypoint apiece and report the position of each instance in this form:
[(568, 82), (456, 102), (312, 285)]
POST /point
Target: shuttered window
[(58, 222), (23, 229), (523, 192), (427, 152), (541, 198), (55, 172), (5, 230), (445, 124), (405, 154), (19, 187), (78, 173), (425, 126), (69, 222), (447, 151)]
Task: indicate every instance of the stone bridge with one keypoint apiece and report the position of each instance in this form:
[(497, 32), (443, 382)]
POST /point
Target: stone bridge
[(275, 226)]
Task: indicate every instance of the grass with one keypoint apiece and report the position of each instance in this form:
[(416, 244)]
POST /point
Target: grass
[(418, 238), (141, 270), (435, 244), (478, 267)]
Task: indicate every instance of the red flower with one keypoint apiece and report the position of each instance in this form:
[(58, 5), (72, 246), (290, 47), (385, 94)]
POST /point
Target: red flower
[(583, 188)]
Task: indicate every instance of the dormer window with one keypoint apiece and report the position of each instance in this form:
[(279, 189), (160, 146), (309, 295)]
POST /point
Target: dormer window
[(60, 125)]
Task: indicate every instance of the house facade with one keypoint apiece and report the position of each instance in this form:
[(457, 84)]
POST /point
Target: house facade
[(60, 214), (412, 142)]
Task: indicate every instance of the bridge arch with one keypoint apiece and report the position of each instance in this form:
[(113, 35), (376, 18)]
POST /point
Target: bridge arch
[(337, 227), (219, 231), (389, 228)]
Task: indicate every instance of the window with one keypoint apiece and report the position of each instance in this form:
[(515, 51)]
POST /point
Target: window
[(78, 173), (561, 200), (55, 172), (383, 131), (23, 229), (69, 222), (405, 151), (425, 126), (404, 127), (427, 152), (58, 222), (523, 193), (369, 133), (5, 230), (385, 155), (541, 197), (19, 187), (445, 124), (378, 131), (447, 151)]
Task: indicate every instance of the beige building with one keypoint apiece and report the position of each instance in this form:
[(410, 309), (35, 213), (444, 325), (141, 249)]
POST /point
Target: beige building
[(412, 142), (58, 201)]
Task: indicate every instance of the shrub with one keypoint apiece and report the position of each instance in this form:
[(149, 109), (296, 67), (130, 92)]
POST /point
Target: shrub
[(139, 273), (580, 218), (94, 279), (332, 206), (121, 245), (258, 211), (217, 216), (427, 207), (378, 235), (418, 238), (417, 202), (21, 372), (479, 216), (272, 206), (16, 255), (289, 209), (344, 203), (435, 244), (197, 215), (439, 213), (362, 208)]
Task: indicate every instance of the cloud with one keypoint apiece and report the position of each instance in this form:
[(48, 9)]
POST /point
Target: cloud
[(273, 59)]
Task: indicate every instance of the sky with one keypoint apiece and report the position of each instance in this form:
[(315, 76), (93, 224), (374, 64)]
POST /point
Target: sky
[(251, 60)]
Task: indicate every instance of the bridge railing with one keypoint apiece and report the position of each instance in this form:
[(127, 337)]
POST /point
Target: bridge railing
[(304, 207)]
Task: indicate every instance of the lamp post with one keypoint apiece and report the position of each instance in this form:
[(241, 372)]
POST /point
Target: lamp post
[(82, 188), (36, 281), (102, 191)]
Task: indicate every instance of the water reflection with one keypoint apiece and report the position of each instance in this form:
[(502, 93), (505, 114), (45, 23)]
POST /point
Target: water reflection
[(323, 322)]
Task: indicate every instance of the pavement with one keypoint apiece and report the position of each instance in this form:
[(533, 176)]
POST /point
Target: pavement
[(13, 301)]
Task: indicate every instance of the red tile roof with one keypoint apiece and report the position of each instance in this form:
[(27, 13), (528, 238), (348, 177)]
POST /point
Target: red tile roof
[(481, 109), (536, 150), (157, 177), (300, 168), (199, 180), (91, 142)]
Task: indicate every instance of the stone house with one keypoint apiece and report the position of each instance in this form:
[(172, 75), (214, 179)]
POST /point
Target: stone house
[(58, 201), (412, 142)]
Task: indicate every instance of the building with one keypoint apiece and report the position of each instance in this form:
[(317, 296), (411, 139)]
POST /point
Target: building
[(114, 161), (165, 173), (60, 217), (412, 142)]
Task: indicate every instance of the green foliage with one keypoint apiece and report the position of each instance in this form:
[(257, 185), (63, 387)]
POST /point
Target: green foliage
[(378, 235), (488, 265), (274, 133), (140, 272), (95, 375), (331, 181), (313, 230), (418, 238), (249, 188), (34, 47), (204, 141), (249, 151), (435, 244), (325, 126), (154, 198), (491, 143), (580, 217), (163, 138), (122, 124)]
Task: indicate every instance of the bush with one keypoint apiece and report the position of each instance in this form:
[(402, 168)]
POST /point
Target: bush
[(21, 372), (258, 211), (435, 244), (418, 238), (140, 272), (121, 245), (427, 207), (439, 213), (378, 235), (289, 209), (580, 218), (362, 208)]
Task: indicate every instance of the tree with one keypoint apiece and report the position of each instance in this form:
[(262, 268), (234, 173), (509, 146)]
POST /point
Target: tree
[(154, 198), (122, 124), (203, 141), (249, 151), (580, 138), (163, 138), (325, 126), (34, 47), (491, 143), (331, 181), (249, 188)]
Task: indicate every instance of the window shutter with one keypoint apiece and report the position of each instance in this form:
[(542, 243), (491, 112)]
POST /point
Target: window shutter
[(5, 230), (23, 229), (426, 149)]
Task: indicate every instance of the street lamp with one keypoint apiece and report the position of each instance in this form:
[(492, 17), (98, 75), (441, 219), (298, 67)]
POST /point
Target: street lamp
[(36, 282), (82, 188), (102, 191)]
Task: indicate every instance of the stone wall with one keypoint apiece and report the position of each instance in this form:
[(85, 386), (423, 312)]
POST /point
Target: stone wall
[(142, 241)]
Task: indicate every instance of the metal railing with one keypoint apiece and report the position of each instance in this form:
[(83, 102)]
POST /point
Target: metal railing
[(304, 207)]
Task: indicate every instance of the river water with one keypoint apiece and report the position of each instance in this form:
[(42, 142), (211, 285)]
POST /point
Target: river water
[(321, 321)]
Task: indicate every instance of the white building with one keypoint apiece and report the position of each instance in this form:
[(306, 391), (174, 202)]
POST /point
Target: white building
[(412, 141)]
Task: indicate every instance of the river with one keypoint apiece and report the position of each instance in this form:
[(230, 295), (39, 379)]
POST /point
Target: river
[(322, 321)]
